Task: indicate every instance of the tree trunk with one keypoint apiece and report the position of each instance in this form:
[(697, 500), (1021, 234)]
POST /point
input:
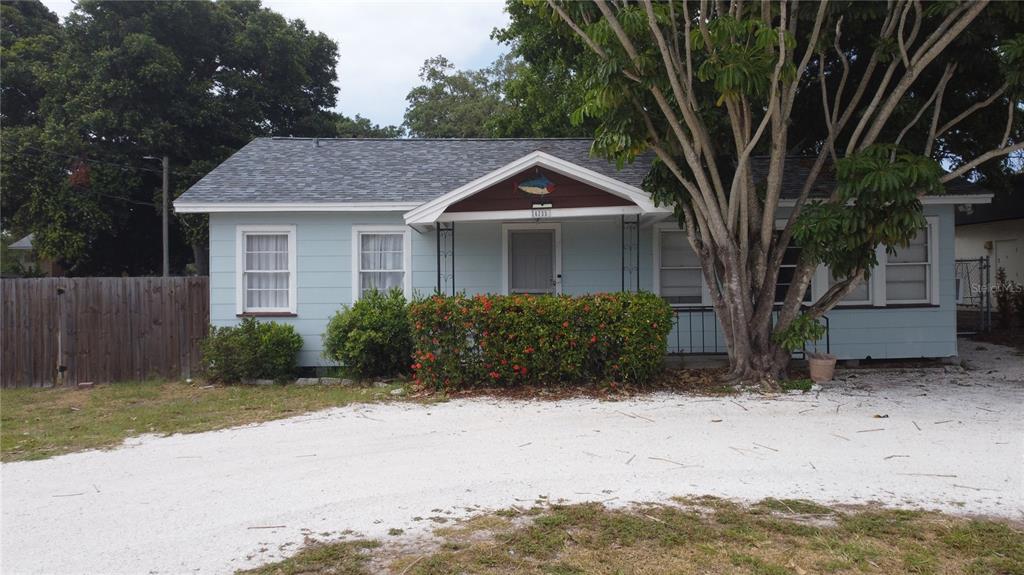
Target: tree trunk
[(201, 257), (754, 358)]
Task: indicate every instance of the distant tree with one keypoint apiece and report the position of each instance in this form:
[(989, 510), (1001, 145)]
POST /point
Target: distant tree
[(508, 99), (453, 103), (123, 80), (542, 85), (360, 127)]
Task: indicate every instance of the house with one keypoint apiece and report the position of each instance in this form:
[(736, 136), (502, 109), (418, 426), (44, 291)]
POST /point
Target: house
[(301, 227), (996, 231), (27, 261)]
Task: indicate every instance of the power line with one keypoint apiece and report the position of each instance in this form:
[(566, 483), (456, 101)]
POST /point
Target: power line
[(95, 161)]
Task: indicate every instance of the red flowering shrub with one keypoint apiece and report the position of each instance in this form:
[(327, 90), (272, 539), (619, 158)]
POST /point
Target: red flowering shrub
[(463, 341)]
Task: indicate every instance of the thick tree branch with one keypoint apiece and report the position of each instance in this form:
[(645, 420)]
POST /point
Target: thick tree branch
[(1004, 151), (939, 89), (954, 24), (974, 108)]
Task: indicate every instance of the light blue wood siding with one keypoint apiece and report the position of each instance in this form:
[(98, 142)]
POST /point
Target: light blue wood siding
[(863, 331), (324, 244), (591, 262), (895, 332)]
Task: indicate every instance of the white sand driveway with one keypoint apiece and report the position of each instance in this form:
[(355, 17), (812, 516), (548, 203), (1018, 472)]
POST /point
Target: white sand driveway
[(215, 502)]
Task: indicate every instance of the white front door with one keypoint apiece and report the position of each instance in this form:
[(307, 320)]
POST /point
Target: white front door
[(531, 259)]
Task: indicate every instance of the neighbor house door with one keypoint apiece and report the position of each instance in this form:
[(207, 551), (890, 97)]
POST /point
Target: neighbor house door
[(532, 260), (1007, 255)]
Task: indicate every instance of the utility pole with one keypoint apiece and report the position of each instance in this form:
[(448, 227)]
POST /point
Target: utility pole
[(167, 192)]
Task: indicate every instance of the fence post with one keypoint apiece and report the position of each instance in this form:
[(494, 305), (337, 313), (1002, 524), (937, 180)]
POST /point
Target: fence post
[(61, 326)]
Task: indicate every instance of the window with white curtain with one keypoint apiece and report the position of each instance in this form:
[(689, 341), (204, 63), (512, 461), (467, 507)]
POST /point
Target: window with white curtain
[(680, 280), (381, 261), (908, 272), (266, 281)]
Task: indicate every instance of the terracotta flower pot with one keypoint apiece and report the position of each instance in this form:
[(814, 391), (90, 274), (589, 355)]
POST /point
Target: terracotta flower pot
[(822, 366)]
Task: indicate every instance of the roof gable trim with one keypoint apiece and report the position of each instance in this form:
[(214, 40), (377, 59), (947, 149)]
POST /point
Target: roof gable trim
[(430, 211)]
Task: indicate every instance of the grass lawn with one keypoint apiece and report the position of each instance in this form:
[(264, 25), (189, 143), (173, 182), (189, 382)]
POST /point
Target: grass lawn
[(704, 535), (40, 423)]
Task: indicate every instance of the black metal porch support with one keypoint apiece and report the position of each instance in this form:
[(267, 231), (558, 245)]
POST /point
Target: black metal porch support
[(446, 258), (630, 253)]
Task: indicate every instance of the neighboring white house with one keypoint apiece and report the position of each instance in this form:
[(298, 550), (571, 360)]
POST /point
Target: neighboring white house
[(995, 230), (301, 227)]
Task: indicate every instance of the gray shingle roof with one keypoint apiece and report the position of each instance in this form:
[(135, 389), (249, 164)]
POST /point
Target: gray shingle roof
[(370, 170), (304, 170)]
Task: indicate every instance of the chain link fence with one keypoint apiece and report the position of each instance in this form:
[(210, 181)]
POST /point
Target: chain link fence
[(973, 296)]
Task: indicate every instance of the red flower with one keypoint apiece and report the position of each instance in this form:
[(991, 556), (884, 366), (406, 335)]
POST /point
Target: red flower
[(494, 375), (515, 368), (593, 339), (565, 324), (522, 371), (504, 362)]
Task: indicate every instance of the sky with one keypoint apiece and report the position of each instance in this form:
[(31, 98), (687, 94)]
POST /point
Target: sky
[(383, 44)]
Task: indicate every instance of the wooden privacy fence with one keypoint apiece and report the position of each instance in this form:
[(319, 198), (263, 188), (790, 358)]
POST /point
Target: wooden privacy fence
[(63, 331)]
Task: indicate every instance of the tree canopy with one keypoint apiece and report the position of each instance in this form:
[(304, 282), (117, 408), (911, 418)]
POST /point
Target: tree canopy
[(85, 103), (508, 99)]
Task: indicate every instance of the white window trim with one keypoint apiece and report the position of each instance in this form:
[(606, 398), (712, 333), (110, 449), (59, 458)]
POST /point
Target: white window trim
[(505, 228), (240, 232), (933, 295), (357, 230), (705, 295)]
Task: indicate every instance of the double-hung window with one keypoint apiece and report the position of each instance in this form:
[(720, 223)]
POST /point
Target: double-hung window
[(907, 277), (381, 259), (266, 269), (859, 295), (908, 272), (680, 280)]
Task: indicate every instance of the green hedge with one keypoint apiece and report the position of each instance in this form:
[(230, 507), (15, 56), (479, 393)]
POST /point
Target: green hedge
[(251, 350), (538, 340), (372, 337)]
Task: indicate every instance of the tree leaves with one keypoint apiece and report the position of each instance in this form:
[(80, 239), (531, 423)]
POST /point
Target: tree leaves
[(877, 202)]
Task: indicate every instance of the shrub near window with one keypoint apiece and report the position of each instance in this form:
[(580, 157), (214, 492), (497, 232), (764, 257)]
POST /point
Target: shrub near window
[(251, 350), (538, 340), (372, 337)]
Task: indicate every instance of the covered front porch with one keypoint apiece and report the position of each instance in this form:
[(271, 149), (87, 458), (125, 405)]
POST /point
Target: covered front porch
[(540, 225)]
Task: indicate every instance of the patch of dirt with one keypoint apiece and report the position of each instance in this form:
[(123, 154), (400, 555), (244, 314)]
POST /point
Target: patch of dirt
[(686, 381)]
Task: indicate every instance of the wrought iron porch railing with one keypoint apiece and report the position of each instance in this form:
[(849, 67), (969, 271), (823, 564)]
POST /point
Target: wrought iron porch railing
[(695, 330)]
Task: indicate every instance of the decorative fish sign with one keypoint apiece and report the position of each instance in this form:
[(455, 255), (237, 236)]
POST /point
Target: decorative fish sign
[(539, 186)]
